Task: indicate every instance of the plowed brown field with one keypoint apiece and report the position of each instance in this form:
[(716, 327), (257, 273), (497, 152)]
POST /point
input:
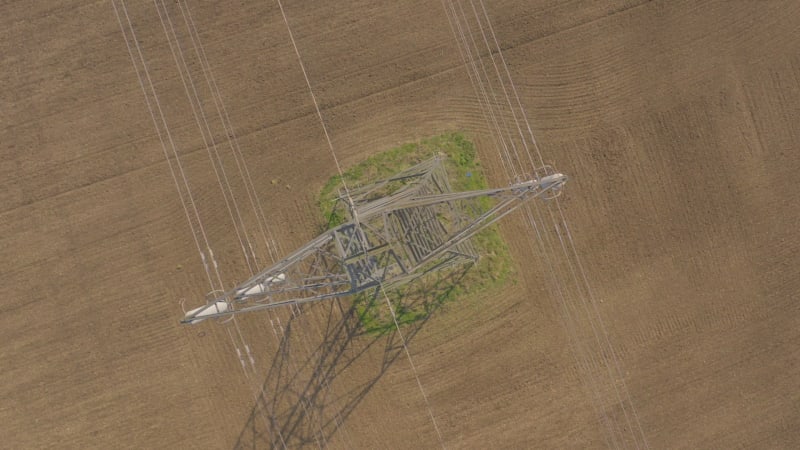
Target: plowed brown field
[(677, 122)]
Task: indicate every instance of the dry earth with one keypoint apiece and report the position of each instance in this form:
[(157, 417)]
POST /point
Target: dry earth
[(676, 120)]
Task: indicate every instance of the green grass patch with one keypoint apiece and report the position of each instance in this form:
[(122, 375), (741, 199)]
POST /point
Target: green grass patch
[(417, 300)]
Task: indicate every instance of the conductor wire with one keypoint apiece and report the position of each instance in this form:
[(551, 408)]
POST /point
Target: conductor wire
[(355, 219)]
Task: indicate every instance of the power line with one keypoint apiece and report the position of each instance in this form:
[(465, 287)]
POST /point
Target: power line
[(568, 256), (273, 247), (557, 291), (344, 183), (191, 202), (177, 158), (215, 159)]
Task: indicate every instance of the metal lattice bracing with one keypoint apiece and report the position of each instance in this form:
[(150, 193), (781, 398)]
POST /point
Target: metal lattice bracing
[(399, 228)]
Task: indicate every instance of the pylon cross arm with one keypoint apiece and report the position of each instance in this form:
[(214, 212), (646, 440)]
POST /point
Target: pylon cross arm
[(418, 227)]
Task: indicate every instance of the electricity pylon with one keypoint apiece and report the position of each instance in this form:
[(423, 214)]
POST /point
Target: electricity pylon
[(399, 229)]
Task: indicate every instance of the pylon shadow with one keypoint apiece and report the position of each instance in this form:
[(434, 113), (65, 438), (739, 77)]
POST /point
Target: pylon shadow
[(302, 403)]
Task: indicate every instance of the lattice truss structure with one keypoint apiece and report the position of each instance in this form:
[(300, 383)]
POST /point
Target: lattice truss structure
[(398, 229)]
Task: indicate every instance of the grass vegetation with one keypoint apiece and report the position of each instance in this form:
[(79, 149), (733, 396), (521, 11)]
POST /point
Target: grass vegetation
[(417, 300)]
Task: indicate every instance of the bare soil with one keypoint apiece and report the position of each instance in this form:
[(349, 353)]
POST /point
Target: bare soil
[(675, 120)]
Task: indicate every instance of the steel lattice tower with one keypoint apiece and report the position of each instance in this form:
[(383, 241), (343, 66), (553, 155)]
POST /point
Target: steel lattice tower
[(399, 229)]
